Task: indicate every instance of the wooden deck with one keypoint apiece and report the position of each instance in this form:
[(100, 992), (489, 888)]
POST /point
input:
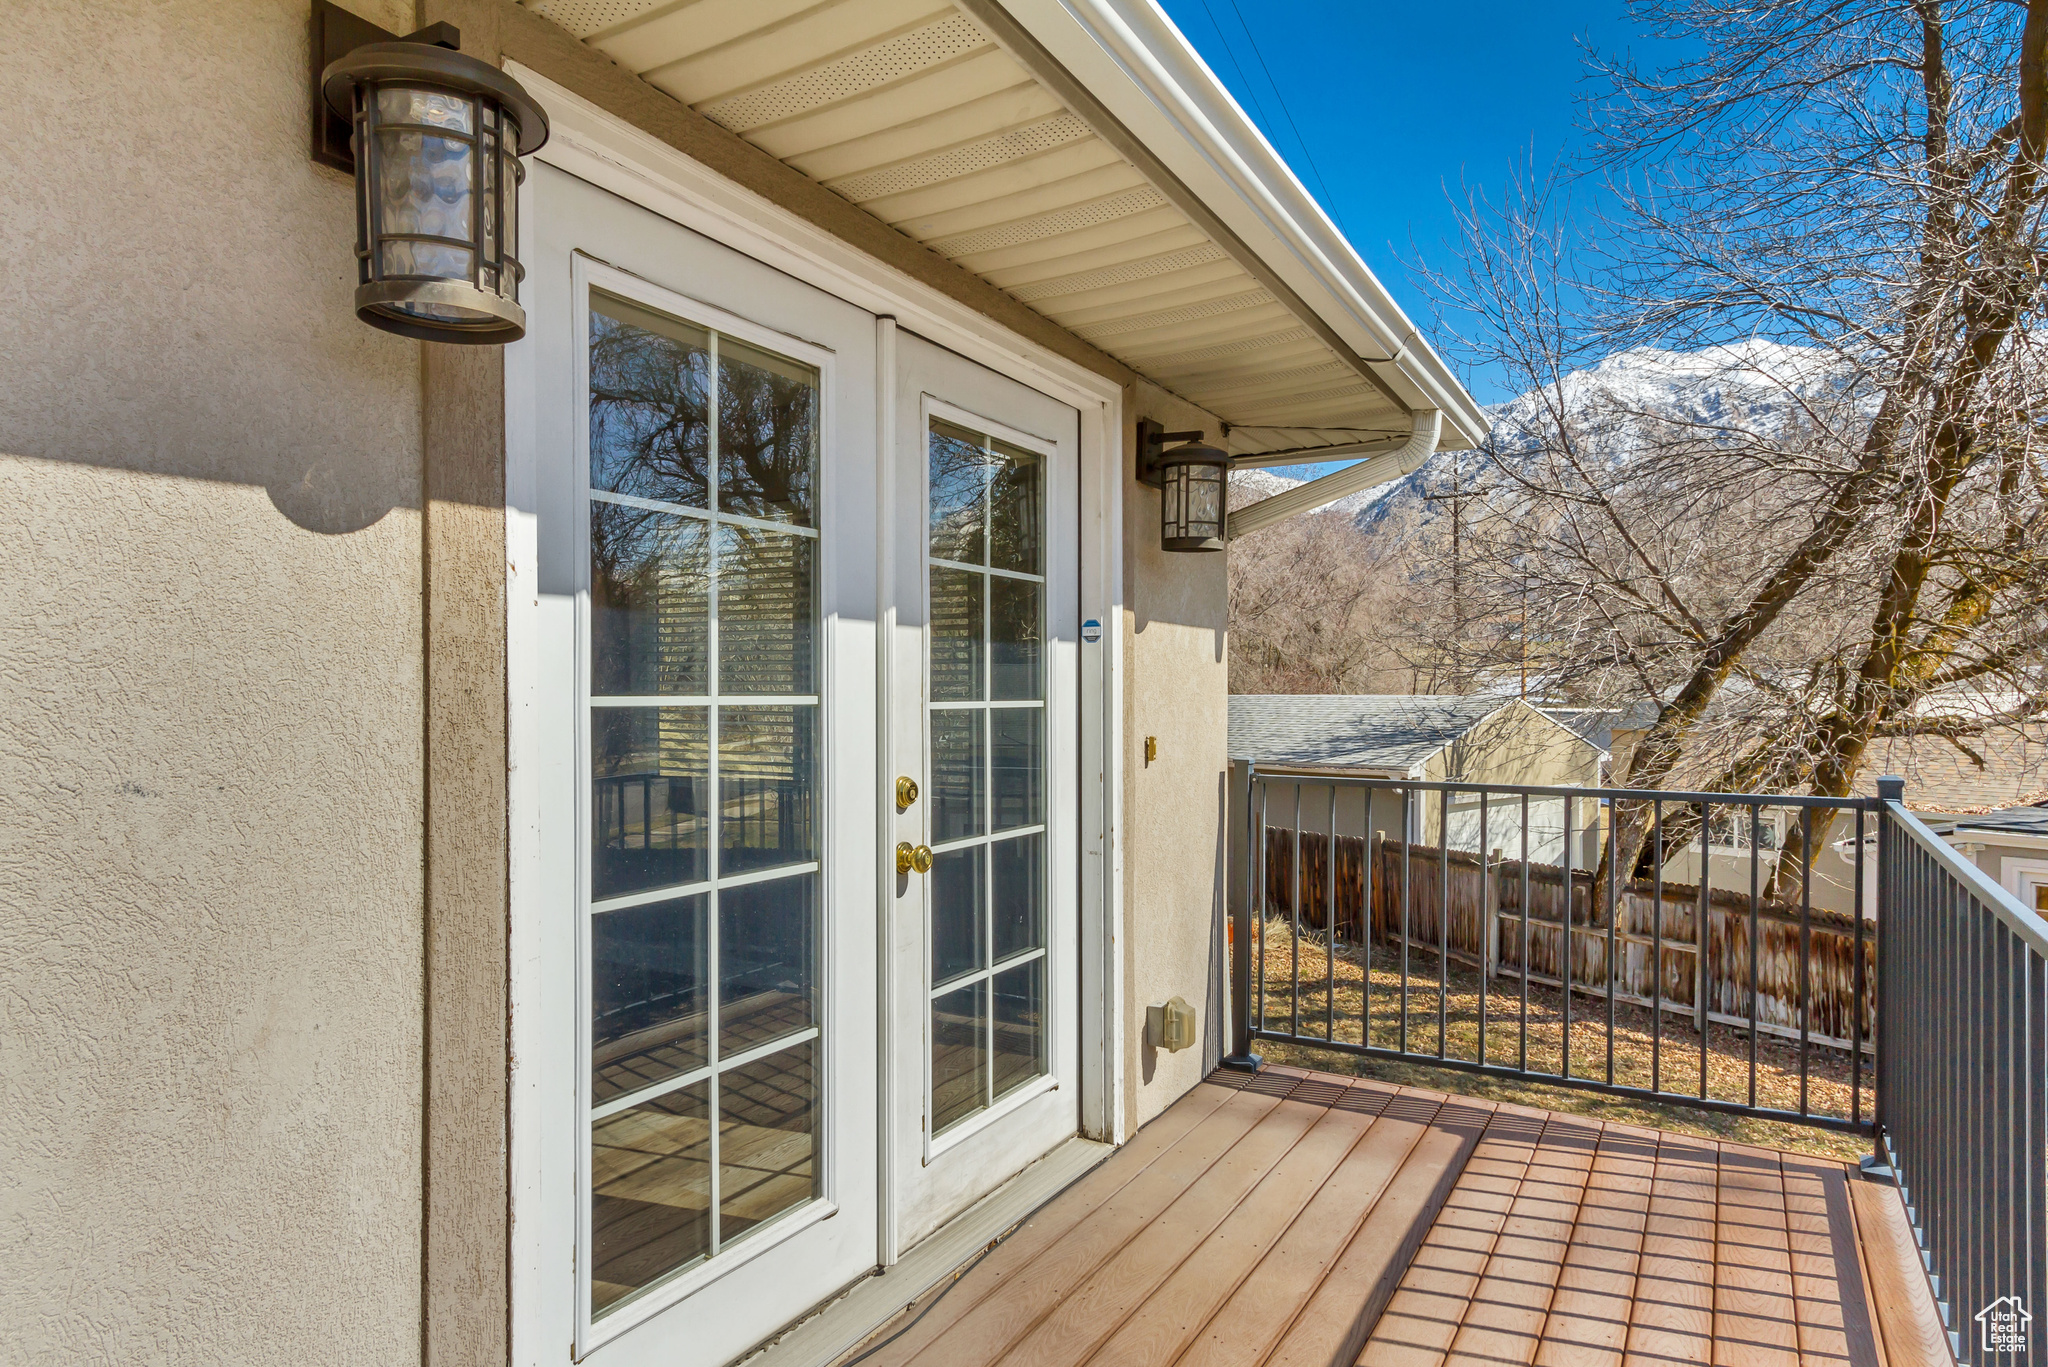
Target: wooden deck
[(1315, 1221)]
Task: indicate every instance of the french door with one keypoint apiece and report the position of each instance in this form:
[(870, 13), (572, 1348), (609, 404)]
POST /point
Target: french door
[(983, 709), (767, 1061), (706, 517)]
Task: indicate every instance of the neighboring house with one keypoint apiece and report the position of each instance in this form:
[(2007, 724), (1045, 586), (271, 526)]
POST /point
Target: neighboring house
[(1985, 810), (1616, 730), (2005, 767), (2010, 845), (1427, 737), (451, 795)]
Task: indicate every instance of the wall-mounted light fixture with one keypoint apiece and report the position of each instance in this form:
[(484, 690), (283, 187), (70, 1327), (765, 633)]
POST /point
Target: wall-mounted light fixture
[(435, 139), (1193, 481)]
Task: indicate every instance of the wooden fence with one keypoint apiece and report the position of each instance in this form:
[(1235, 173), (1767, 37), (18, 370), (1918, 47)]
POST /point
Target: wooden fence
[(1485, 929)]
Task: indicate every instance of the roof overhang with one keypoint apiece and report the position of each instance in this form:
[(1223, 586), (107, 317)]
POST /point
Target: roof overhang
[(1077, 155), (1148, 79)]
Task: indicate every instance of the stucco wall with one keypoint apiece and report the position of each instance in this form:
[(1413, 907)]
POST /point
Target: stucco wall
[(210, 711), (1176, 690)]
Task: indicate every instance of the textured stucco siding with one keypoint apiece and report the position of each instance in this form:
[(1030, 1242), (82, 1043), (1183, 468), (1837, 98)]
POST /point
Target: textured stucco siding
[(210, 712), (1175, 688)]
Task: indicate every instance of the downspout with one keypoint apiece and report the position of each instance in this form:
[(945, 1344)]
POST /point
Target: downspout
[(1396, 464)]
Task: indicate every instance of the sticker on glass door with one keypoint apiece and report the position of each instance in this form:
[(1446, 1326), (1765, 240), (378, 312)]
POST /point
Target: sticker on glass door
[(986, 738)]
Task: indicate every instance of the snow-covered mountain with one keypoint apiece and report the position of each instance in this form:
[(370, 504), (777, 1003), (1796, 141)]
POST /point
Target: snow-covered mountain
[(1752, 386)]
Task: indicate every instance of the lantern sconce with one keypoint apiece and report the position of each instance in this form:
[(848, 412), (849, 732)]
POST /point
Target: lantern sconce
[(433, 139), (1193, 481)]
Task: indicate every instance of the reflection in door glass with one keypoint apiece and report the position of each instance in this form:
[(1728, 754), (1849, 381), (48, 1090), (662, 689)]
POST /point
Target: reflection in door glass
[(650, 1178), (703, 736), (647, 996), (986, 575), (959, 1054)]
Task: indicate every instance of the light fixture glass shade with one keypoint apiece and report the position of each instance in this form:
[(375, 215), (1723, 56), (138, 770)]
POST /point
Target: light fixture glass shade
[(437, 139), (1193, 481)]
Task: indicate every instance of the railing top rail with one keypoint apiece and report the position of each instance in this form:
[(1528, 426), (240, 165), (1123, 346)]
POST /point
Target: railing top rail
[(1341, 779), (2019, 918)]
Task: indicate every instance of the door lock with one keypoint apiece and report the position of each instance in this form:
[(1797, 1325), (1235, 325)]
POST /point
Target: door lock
[(913, 858), (906, 792)]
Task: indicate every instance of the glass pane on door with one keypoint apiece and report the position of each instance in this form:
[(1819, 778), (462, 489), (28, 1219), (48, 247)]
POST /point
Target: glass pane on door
[(986, 748), (703, 737)]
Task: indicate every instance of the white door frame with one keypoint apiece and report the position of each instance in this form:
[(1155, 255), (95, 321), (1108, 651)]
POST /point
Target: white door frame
[(597, 147)]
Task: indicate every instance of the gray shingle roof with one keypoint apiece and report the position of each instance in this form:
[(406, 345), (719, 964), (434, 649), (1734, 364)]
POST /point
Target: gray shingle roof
[(1368, 731), (1598, 724), (2010, 821)]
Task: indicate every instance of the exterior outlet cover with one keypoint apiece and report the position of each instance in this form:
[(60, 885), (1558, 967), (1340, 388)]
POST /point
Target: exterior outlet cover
[(1171, 1027)]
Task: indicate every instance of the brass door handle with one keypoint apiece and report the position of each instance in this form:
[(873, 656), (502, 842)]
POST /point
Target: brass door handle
[(913, 858)]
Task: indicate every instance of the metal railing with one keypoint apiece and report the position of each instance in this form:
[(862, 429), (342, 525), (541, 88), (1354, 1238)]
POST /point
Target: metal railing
[(1415, 921), (1482, 927), (1963, 1046)]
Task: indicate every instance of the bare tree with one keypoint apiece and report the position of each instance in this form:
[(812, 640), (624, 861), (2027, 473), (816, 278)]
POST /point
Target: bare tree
[(1307, 610), (1852, 193)]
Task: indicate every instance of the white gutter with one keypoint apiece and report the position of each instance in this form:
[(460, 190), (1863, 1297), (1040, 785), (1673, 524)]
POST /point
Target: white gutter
[(1399, 464), (1128, 55), (1318, 455)]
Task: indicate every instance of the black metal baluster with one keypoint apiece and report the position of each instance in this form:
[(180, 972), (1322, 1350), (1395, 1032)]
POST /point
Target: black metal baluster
[(1365, 873), (1330, 925), (1856, 997), (1240, 931), (1755, 878), (1522, 1044), (1565, 1051), (2035, 1151), (1407, 901), (1443, 921), (1294, 913), (1613, 922), (1702, 992), (1657, 939), (1489, 926), (1805, 948), (1258, 921)]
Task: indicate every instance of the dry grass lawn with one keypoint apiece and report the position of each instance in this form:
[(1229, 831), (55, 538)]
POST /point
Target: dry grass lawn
[(1675, 1061)]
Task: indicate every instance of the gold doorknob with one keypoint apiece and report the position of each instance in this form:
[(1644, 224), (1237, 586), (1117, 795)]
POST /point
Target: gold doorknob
[(906, 791), (913, 858)]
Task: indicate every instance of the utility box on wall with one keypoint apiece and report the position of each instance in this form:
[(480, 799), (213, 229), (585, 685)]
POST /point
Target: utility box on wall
[(1170, 1027)]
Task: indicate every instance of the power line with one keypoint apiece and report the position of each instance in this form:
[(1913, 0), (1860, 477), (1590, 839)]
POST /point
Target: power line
[(1329, 200), (1228, 51)]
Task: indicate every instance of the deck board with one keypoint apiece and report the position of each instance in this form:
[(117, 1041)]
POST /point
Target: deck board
[(1505, 1321), (1262, 1307), (1158, 1329), (1906, 1314), (1293, 1219), (1085, 1315), (1333, 1325), (1588, 1321), (1016, 1293), (1754, 1318), (1672, 1318), (1423, 1317)]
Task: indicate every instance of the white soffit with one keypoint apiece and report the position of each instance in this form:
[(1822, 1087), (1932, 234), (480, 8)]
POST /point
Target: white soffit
[(911, 110)]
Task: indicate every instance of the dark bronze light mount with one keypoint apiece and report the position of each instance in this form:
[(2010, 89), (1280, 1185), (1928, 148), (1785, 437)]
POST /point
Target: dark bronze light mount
[(1193, 480), (434, 143)]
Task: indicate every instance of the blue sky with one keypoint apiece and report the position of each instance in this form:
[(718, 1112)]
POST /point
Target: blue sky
[(1398, 104)]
